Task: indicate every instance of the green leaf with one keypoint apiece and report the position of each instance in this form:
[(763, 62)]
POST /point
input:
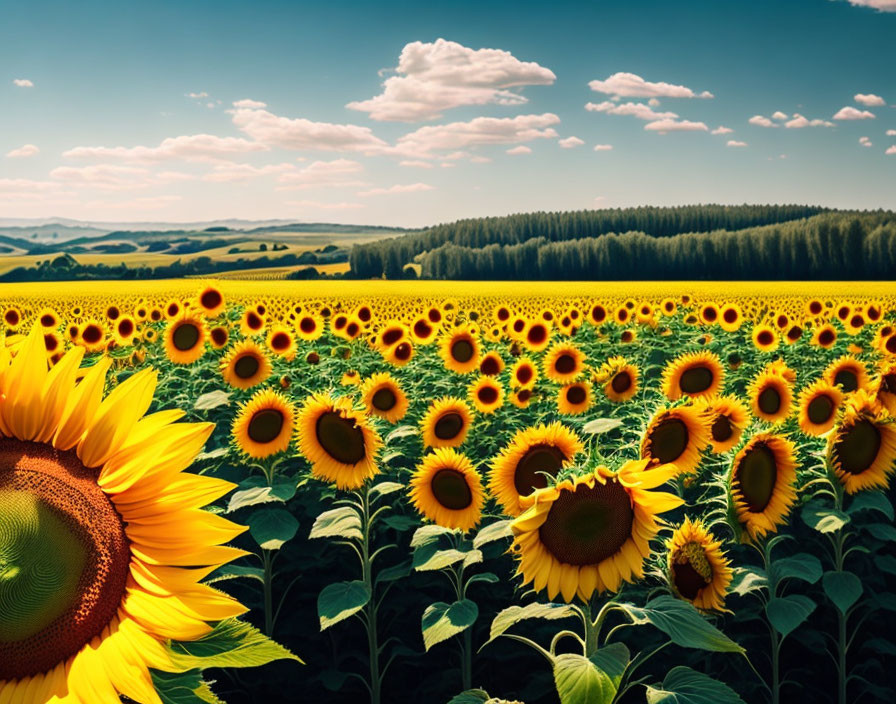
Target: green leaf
[(425, 560), (471, 696), (338, 601), (474, 557), (886, 563), (800, 566), (882, 531), (441, 621), (212, 454), (427, 534), (384, 488), (401, 523), (183, 688), (488, 577), (843, 588), (787, 612), (601, 425), (272, 527), (612, 661), (825, 520), (748, 580), (514, 614), (390, 574), (683, 685), (232, 643), (682, 623), (342, 522), (211, 400), (229, 571), (402, 431), (580, 681), (872, 501), (492, 532), (251, 497)]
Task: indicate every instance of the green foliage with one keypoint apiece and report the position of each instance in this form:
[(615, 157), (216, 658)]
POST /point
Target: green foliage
[(682, 623), (232, 643), (340, 600), (682, 685), (441, 620)]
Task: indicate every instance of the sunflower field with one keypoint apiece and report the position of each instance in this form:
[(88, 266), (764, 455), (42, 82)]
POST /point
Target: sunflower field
[(247, 491)]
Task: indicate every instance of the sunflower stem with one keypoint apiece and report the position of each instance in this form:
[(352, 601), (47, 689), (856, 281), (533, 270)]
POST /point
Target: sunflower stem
[(268, 592), (370, 608)]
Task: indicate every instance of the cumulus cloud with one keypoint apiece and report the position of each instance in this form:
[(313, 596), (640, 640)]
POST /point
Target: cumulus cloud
[(197, 96), (603, 147), (107, 176), (288, 133), (481, 130), (22, 152), (432, 77), (891, 150), (631, 85), (799, 121), (522, 149), (851, 113), (338, 173), (638, 110), (761, 121), (194, 147), (229, 172), (865, 141), (735, 143), (879, 5), (778, 115), (317, 205), (17, 185), (664, 126), (249, 104), (397, 188), (722, 130), (571, 142), (417, 163), (869, 99), (891, 133), (23, 82)]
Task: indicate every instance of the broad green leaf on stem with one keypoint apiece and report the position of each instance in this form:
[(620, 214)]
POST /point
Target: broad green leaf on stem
[(886, 563), (822, 518), (402, 431), (427, 534), (384, 488), (211, 400), (183, 688), (272, 527), (471, 696), (251, 497), (580, 681), (232, 643), (425, 560), (601, 425), (488, 577), (800, 566), (872, 501), (229, 571), (843, 588), (212, 454), (748, 580), (401, 523), (474, 557), (882, 531), (682, 623), (338, 601), (514, 614), (612, 660), (390, 574), (683, 685), (786, 613), (441, 620), (492, 532), (342, 522)]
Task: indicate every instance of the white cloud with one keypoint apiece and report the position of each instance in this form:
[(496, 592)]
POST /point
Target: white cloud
[(879, 5), (735, 143), (761, 121), (299, 133), (664, 126), (653, 102), (480, 160), (603, 147), (571, 142), (17, 185), (891, 150), (317, 205), (416, 163), (102, 176), (799, 121), (230, 171), (195, 147), (722, 130), (481, 130), (23, 82), (869, 99), (338, 173), (436, 76), (249, 104), (522, 149), (851, 113), (630, 85), (638, 110), (865, 141), (25, 150), (397, 188), (142, 203), (778, 115), (197, 96), (891, 133)]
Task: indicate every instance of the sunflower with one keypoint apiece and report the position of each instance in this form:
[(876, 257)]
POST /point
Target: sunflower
[(53, 343), (383, 397), (521, 398), (698, 374), (765, 339), (338, 441), (486, 394), (575, 398), (825, 336), (124, 329), (399, 354), (523, 373), (211, 301), (697, 569), (818, 404), (460, 349), (676, 436), (761, 483), (98, 522), (862, 449), (251, 323), (281, 342), (264, 424), (771, 395), (885, 387), (173, 308), (218, 336), (185, 338), (537, 335), (709, 314), (448, 490), (92, 336), (728, 417), (48, 318), (563, 362), (597, 314), (12, 316), (619, 379), (245, 365), (813, 308), (446, 422), (491, 364), (668, 306), (848, 373), (793, 334), (730, 317), (591, 533), (521, 466)]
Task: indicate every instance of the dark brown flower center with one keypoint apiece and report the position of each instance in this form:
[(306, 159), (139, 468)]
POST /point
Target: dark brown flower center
[(696, 380), (185, 337), (565, 364), (722, 430), (530, 471), (280, 341), (384, 399), (765, 338), (487, 394), (858, 446), (265, 425), (246, 366), (448, 426), (341, 438), (92, 334), (537, 334), (524, 374), (847, 379), (451, 489), (576, 395), (210, 299), (769, 400), (490, 366), (462, 351), (668, 440), (688, 581), (820, 409), (622, 382), (756, 475)]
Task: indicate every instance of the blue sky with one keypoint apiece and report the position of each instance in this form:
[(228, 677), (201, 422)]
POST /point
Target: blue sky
[(415, 113)]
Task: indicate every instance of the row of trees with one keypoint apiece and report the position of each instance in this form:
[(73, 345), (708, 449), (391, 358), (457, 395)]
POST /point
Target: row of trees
[(388, 257), (830, 246)]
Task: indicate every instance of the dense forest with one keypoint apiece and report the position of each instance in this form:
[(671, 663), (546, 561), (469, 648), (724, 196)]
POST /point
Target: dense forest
[(735, 242)]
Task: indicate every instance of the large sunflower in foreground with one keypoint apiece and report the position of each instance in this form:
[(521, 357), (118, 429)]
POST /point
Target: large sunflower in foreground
[(697, 568), (761, 484), (338, 441), (447, 489), (698, 374), (591, 533), (97, 522), (862, 449), (520, 468)]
